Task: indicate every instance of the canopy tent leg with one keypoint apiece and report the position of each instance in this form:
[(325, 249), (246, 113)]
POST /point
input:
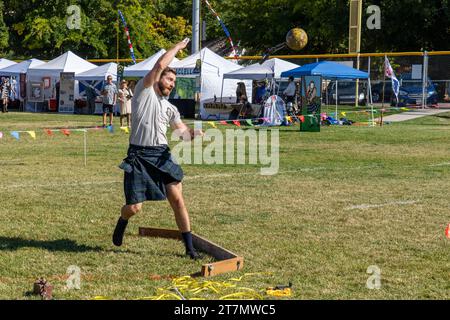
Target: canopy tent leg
[(337, 118), (221, 91)]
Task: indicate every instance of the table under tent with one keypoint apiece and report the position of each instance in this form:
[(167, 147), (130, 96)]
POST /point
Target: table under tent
[(260, 74), (199, 79), (331, 71)]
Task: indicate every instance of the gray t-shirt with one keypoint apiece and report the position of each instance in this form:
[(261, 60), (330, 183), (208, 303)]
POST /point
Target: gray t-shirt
[(110, 89), (151, 114)]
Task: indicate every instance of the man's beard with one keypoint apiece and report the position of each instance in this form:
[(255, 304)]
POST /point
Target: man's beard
[(165, 92)]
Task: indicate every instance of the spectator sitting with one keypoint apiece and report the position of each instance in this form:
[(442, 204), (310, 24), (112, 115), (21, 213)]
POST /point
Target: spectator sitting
[(261, 92)]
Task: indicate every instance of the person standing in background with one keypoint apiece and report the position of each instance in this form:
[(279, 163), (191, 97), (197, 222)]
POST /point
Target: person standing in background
[(5, 92), (125, 95), (109, 93)]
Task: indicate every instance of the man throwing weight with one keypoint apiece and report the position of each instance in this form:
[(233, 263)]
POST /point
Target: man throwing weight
[(150, 173)]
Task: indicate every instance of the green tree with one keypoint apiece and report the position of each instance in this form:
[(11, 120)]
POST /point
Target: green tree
[(39, 28), (407, 25), (4, 32)]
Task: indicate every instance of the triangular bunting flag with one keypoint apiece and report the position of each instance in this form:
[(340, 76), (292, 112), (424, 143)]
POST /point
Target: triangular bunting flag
[(237, 123), (48, 132), (212, 124), (250, 123), (65, 132), (110, 129), (125, 129), (15, 134), (302, 119), (1, 135), (223, 122), (343, 114), (32, 134)]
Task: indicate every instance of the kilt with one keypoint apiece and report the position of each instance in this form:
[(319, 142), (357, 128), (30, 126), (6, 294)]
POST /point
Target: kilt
[(147, 172)]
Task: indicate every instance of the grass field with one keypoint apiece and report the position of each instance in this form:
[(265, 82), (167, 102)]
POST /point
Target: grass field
[(344, 199)]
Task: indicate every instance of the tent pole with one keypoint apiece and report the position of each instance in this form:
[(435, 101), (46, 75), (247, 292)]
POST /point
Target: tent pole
[(370, 101), (384, 86), (337, 118), (369, 88), (221, 91), (425, 80), (117, 41), (357, 81), (369, 93)]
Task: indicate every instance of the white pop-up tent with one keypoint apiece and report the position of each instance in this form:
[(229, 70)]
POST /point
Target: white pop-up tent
[(141, 69), (270, 69), (6, 63), (22, 67), (15, 71), (67, 62), (94, 78), (210, 68), (51, 71), (100, 73)]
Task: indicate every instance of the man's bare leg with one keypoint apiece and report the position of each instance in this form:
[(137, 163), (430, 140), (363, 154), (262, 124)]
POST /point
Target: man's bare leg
[(175, 197), (126, 213)]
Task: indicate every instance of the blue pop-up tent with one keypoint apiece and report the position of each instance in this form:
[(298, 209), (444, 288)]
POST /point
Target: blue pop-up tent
[(328, 70)]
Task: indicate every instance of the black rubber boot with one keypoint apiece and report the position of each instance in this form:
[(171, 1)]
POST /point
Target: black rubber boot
[(119, 231)]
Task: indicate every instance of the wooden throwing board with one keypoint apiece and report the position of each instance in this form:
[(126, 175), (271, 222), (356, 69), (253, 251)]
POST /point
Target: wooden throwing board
[(227, 260)]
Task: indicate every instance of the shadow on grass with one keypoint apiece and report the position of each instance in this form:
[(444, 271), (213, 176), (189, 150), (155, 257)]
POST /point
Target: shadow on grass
[(444, 116), (10, 244), (279, 128)]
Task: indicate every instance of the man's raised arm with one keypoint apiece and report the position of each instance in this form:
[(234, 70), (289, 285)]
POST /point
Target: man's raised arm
[(163, 62)]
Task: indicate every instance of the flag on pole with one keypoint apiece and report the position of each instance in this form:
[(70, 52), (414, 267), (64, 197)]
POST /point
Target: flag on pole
[(227, 33), (127, 32), (389, 72)]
